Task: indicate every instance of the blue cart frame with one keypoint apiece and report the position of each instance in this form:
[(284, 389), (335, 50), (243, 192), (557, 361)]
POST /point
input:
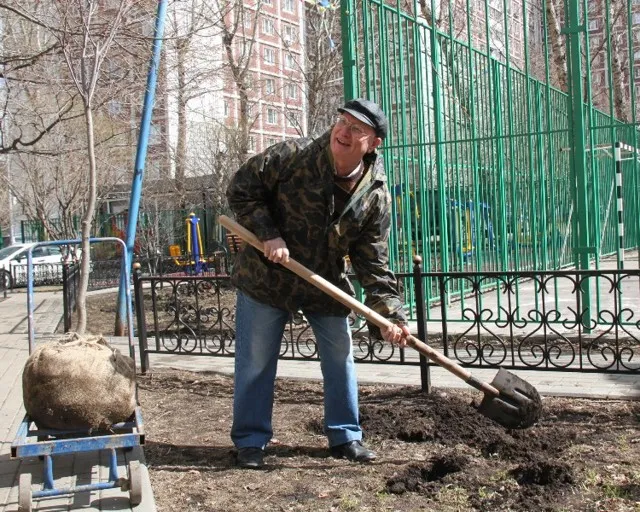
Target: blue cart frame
[(31, 441)]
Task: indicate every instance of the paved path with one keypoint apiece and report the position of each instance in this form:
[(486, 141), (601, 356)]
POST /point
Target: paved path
[(86, 468)]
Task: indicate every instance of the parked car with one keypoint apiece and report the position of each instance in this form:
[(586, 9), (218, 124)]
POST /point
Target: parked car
[(16, 256)]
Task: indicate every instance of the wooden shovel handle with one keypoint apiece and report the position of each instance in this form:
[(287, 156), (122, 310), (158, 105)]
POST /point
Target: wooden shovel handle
[(358, 307)]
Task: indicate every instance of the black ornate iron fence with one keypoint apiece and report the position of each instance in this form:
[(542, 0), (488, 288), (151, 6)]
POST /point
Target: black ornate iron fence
[(539, 320), (523, 320)]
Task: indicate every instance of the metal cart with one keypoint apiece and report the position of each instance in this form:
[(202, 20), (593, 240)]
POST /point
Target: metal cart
[(31, 441)]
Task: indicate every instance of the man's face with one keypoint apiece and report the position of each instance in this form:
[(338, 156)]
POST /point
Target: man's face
[(351, 139)]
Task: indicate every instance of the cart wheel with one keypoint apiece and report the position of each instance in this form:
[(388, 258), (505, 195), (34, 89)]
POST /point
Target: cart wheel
[(24, 493), (135, 483)]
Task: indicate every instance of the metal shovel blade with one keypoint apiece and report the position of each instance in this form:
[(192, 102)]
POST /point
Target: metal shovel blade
[(517, 406)]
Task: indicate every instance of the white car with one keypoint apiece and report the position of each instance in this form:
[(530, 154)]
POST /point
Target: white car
[(16, 255)]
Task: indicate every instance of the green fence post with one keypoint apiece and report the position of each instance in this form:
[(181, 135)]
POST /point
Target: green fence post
[(438, 135), (502, 194), (350, 73), (542, 189), (574, 30)]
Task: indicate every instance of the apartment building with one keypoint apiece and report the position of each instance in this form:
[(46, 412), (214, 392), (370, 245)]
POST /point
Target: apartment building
[(235, 86), (276, 107)]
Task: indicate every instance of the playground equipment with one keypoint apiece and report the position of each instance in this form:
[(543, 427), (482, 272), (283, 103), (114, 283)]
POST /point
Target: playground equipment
[(464, 236), (195, 263), (470, 227)]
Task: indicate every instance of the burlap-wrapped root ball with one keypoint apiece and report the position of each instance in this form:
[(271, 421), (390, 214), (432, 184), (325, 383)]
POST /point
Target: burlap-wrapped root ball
[(78, 382)]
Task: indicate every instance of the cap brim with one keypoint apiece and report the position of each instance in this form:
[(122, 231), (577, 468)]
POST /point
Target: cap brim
[(358, 116)]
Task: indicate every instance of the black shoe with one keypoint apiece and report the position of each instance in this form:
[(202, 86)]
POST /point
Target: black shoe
[(250, 458), (353, 450)]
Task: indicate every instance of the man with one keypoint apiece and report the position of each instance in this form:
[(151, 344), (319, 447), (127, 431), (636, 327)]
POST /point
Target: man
[(319, 201)]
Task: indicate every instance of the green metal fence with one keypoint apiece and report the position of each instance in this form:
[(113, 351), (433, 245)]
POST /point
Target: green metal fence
[(494, 167), (502, 151)]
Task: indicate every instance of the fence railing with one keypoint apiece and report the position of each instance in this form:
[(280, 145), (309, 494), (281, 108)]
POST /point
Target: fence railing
[(516, 320), (43, 274)]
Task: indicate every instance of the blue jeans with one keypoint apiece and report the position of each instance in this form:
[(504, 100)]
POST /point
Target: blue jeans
[(259, 330)]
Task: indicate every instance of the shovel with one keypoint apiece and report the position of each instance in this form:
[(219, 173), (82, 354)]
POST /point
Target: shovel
[(508, 400)]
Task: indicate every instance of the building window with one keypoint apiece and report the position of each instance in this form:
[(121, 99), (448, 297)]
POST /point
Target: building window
[(226, 108), (272, 116), (246, 20), (636, 18), (269, 55), (252, 143), (289, 61), (292, 91), (636, 56), (270, 141), (154, 134), (293, 119), (269, 86), (593, 25), (288, 34), (267, 2), (268, 27), (289, 6)]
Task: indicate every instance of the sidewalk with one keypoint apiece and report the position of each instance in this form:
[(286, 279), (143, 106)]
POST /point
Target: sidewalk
[(88, 468)]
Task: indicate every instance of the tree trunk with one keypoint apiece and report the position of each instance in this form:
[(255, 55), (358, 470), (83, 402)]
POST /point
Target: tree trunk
[(243, 123), (557, 47), (621, 101), (181, 145), (86, 223)]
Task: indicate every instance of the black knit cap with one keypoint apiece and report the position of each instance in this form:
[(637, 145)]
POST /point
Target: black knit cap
[(369, 113)]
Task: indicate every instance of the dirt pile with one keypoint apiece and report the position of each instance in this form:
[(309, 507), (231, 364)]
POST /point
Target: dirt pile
[(435, 452)]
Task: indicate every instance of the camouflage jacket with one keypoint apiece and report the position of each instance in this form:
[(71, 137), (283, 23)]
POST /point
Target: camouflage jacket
[(287, 191)]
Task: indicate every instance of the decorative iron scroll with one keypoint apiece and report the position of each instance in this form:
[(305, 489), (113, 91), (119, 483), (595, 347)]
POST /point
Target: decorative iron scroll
[(554, 325)]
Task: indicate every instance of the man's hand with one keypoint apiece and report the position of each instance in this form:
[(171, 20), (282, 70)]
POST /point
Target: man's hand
[(396, 334), (276, 250)]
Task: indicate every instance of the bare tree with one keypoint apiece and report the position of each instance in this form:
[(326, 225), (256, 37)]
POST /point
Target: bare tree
[(192, 68), (80, 39), (620, 70), (322, 71), (87, 33), (239, 24), (556, 43), (27, 50)]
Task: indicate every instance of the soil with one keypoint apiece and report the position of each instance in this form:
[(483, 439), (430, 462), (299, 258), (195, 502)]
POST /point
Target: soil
[(435, 451)]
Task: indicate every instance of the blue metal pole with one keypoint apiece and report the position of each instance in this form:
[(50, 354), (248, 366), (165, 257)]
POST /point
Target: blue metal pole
[(141, 155), (30, 303)]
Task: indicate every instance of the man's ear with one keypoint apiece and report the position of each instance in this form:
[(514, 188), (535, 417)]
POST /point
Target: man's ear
[(374, 144)]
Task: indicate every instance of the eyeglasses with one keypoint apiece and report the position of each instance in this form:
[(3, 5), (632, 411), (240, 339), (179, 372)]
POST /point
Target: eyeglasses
[(356, 131)]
